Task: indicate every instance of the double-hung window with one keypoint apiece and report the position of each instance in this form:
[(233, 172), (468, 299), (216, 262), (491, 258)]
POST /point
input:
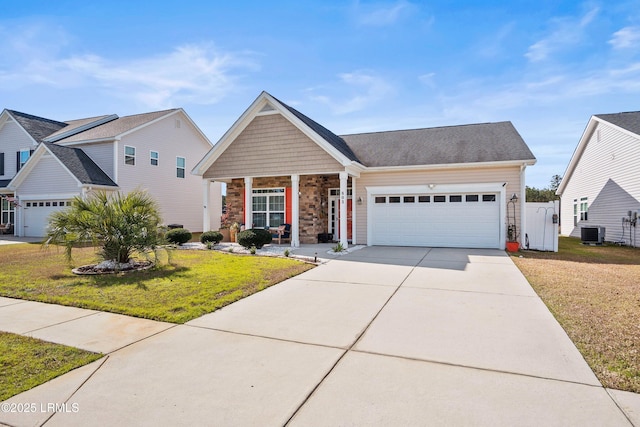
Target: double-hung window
[(181, 165), (268, 207), (154, 156), (129, 155), (23, 156), (584, 208)]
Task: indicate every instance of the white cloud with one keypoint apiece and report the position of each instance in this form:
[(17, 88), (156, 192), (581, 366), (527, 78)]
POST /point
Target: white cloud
[(362, 88), (380, 15), (193, 73), (566, 32), (627, 37), (190, 73)]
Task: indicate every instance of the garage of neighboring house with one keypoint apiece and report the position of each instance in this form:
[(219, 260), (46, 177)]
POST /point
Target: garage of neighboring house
[(49, 181), (36, 215)]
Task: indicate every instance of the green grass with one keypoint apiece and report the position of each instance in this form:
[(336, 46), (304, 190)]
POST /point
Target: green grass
[(27, 362), (192, 284), (594, 293)]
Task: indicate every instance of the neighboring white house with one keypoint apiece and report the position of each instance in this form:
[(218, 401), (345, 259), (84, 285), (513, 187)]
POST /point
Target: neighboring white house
[(602, 182), (56, 161)]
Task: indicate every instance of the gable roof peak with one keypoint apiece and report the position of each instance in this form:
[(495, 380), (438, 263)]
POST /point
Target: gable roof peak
[(629, 121)]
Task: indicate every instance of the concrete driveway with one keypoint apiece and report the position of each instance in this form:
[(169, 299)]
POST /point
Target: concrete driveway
[(382, 336)]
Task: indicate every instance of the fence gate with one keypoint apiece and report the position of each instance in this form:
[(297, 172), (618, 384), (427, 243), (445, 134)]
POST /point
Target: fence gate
[(540, 229)]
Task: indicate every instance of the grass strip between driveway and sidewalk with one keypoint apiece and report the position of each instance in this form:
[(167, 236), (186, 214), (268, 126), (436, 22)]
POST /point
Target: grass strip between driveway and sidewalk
[(193, 283), (27, 362), (594, 293)]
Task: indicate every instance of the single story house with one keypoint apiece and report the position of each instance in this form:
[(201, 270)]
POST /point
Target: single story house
[(441, 187), (601, 186)]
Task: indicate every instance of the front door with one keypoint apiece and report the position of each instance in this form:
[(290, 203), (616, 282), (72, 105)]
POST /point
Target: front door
[(334, 213)]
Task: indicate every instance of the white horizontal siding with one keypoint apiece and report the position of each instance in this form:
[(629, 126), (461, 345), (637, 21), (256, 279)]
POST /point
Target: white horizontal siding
[(13, 139), (180, 199), (102, 155), (48, 177), (607, 174)]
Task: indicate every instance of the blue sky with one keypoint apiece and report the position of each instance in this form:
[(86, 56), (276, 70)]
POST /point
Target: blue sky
[(353, 66)]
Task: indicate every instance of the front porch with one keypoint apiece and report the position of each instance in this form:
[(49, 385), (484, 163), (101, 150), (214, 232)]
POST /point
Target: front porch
[(317, 206)]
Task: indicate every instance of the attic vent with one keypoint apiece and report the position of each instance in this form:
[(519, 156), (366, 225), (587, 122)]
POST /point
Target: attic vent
[(178, 124), (267, 108)]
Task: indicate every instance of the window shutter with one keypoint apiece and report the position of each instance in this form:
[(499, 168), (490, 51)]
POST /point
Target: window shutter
[(1, 163), (17, 161)]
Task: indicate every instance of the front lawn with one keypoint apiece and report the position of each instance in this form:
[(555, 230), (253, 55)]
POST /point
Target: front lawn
[(193, 284), (27, 362), (594, 292)]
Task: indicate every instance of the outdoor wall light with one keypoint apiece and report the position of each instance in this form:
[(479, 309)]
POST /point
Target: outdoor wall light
[(432, 186), (514, 198), (359, 200)]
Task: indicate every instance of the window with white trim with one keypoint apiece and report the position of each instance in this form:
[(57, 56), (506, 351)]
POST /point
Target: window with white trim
[(129, 155), (154, 157), (181, 165), (268, 207), (23, 157), (575, 212), (584, 208)]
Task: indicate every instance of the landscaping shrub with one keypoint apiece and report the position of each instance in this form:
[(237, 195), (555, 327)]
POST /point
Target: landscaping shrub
[(178, 236), (254, 237), (214, 237)]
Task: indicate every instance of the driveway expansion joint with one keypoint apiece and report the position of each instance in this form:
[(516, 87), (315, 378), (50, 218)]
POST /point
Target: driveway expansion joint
[(476, 368), (63, 322)]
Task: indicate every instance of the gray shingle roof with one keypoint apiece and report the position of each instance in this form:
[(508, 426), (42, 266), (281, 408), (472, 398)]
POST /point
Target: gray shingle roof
[(325, 133), (38, 127), (4, 183), (78, 123), (629, 121), (80, 165), (116, 127), (486, 142)]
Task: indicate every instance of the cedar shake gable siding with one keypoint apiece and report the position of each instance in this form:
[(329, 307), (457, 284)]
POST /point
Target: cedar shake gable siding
[(268, 146)]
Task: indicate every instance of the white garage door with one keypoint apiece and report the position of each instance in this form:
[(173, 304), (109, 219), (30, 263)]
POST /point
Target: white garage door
[(36, 215), (462, 220)]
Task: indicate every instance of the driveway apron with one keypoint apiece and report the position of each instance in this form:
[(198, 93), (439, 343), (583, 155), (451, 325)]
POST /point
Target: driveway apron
[(380, 336)]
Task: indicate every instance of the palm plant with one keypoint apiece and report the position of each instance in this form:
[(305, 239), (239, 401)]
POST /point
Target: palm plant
[(120, 224)]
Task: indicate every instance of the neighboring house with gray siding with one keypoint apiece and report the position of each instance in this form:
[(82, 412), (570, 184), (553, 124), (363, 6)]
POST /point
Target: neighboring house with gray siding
[(149, 151), (446, 186), (602, 182)]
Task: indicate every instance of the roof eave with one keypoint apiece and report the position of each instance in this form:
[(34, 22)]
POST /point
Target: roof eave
[(471, 165), (577, 153)]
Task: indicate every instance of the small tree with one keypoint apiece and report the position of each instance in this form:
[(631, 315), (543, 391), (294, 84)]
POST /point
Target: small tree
[(120, 223)]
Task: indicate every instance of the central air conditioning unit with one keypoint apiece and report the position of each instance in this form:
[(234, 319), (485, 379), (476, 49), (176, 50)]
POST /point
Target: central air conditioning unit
[(592, 235)]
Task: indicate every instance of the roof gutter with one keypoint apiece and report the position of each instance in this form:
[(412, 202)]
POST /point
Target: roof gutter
[(505, 163)]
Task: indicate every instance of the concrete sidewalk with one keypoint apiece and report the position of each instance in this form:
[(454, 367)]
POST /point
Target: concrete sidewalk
[(382, 336)]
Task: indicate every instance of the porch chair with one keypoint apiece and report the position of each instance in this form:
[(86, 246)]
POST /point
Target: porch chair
[(283, 233), (6, 228)]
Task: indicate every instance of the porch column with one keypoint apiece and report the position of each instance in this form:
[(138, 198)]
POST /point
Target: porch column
[(343, 209), (295, 211), (206, 196), (354, 203), (248, 203)]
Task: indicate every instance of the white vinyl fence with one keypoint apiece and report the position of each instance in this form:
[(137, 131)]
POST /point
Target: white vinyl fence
[(541, 233)]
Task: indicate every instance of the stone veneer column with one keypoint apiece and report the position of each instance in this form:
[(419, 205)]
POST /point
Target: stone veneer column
[(295, 210), (343, 209), (248, 203)]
